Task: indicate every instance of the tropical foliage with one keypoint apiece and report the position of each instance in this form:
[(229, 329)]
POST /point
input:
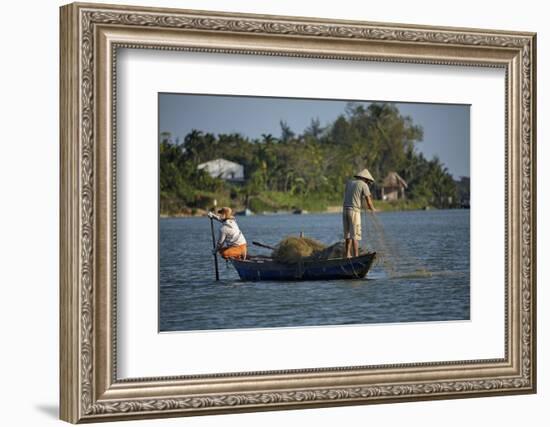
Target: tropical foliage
[(303, 171)]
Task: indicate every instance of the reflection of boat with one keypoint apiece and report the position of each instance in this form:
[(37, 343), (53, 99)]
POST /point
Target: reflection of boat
[(264, 268)]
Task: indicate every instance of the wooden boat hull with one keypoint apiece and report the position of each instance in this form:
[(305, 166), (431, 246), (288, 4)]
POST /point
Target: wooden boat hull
[(256, 269)]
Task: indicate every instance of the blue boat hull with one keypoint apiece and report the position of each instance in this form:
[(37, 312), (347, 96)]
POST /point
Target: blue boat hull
[(257, 269)]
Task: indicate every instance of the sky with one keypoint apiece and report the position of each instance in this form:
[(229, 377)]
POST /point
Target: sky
[(446, 126)]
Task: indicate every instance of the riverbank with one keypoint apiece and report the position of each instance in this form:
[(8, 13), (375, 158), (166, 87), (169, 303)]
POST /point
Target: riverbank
[(185, 213), (380, 205), (387, 206)]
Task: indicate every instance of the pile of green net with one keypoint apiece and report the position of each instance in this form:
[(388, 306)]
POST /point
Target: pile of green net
[(295, 249)]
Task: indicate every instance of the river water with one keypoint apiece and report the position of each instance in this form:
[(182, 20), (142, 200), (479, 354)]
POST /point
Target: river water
[(423, 274)]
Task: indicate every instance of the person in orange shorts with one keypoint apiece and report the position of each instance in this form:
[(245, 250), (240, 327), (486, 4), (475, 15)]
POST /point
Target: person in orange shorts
[(231, 242)]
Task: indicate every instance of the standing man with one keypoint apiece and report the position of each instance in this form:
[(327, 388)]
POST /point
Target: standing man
[(357, 189)]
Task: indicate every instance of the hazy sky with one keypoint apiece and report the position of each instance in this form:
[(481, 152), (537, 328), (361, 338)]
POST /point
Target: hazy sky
[(446, 126)]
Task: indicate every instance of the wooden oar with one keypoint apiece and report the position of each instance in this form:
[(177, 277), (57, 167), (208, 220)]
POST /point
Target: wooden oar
[(214, 247), (263, 245)]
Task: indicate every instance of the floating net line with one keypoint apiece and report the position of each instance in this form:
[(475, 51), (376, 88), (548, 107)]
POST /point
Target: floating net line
[(394, 258)]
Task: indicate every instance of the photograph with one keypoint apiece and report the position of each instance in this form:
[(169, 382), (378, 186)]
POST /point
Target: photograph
[(292, 212)]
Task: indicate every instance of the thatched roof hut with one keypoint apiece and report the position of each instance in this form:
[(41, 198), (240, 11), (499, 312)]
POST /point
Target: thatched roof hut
[(393, 187)]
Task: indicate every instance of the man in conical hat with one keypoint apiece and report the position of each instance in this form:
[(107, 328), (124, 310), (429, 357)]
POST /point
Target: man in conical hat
[(357, 190)]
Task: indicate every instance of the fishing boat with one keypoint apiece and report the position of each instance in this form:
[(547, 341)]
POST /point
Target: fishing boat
[(265, 268)]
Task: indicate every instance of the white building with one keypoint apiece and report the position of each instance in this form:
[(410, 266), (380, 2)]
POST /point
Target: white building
[(224, 169)]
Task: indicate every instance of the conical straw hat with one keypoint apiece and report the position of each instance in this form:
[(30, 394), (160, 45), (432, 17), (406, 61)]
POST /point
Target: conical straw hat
[(365, 174)]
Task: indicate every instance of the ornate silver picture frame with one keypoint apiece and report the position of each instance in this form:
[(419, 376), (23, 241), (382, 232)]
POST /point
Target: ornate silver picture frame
[(91, 34)]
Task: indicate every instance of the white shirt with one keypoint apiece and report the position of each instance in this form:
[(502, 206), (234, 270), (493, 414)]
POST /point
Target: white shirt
[(230, 234)]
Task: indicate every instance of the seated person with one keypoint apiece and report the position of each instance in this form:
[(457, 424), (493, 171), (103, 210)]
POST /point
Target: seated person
[(231, 242)]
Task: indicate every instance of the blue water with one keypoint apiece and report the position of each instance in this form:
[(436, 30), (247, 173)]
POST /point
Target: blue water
[(436, 241)]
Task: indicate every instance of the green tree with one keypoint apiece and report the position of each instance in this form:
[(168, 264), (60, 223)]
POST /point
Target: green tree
[(310, 166)]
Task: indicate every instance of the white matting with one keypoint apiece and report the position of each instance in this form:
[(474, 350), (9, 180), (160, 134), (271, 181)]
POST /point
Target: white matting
[(143, 352)]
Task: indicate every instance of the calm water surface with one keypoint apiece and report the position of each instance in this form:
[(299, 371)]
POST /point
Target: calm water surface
[(438, 241)]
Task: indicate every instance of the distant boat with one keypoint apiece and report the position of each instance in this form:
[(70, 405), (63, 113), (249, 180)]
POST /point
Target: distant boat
[(276, 212), (300, 212), (246, 212), (264, 268)]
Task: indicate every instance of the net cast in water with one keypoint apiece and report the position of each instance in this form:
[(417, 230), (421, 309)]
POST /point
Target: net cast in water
[(394, 258)]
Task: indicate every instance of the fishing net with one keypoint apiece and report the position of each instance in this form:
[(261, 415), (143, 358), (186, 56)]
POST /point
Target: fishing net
[(393, 257), (295, 249), (390, 255), (336, 250)]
